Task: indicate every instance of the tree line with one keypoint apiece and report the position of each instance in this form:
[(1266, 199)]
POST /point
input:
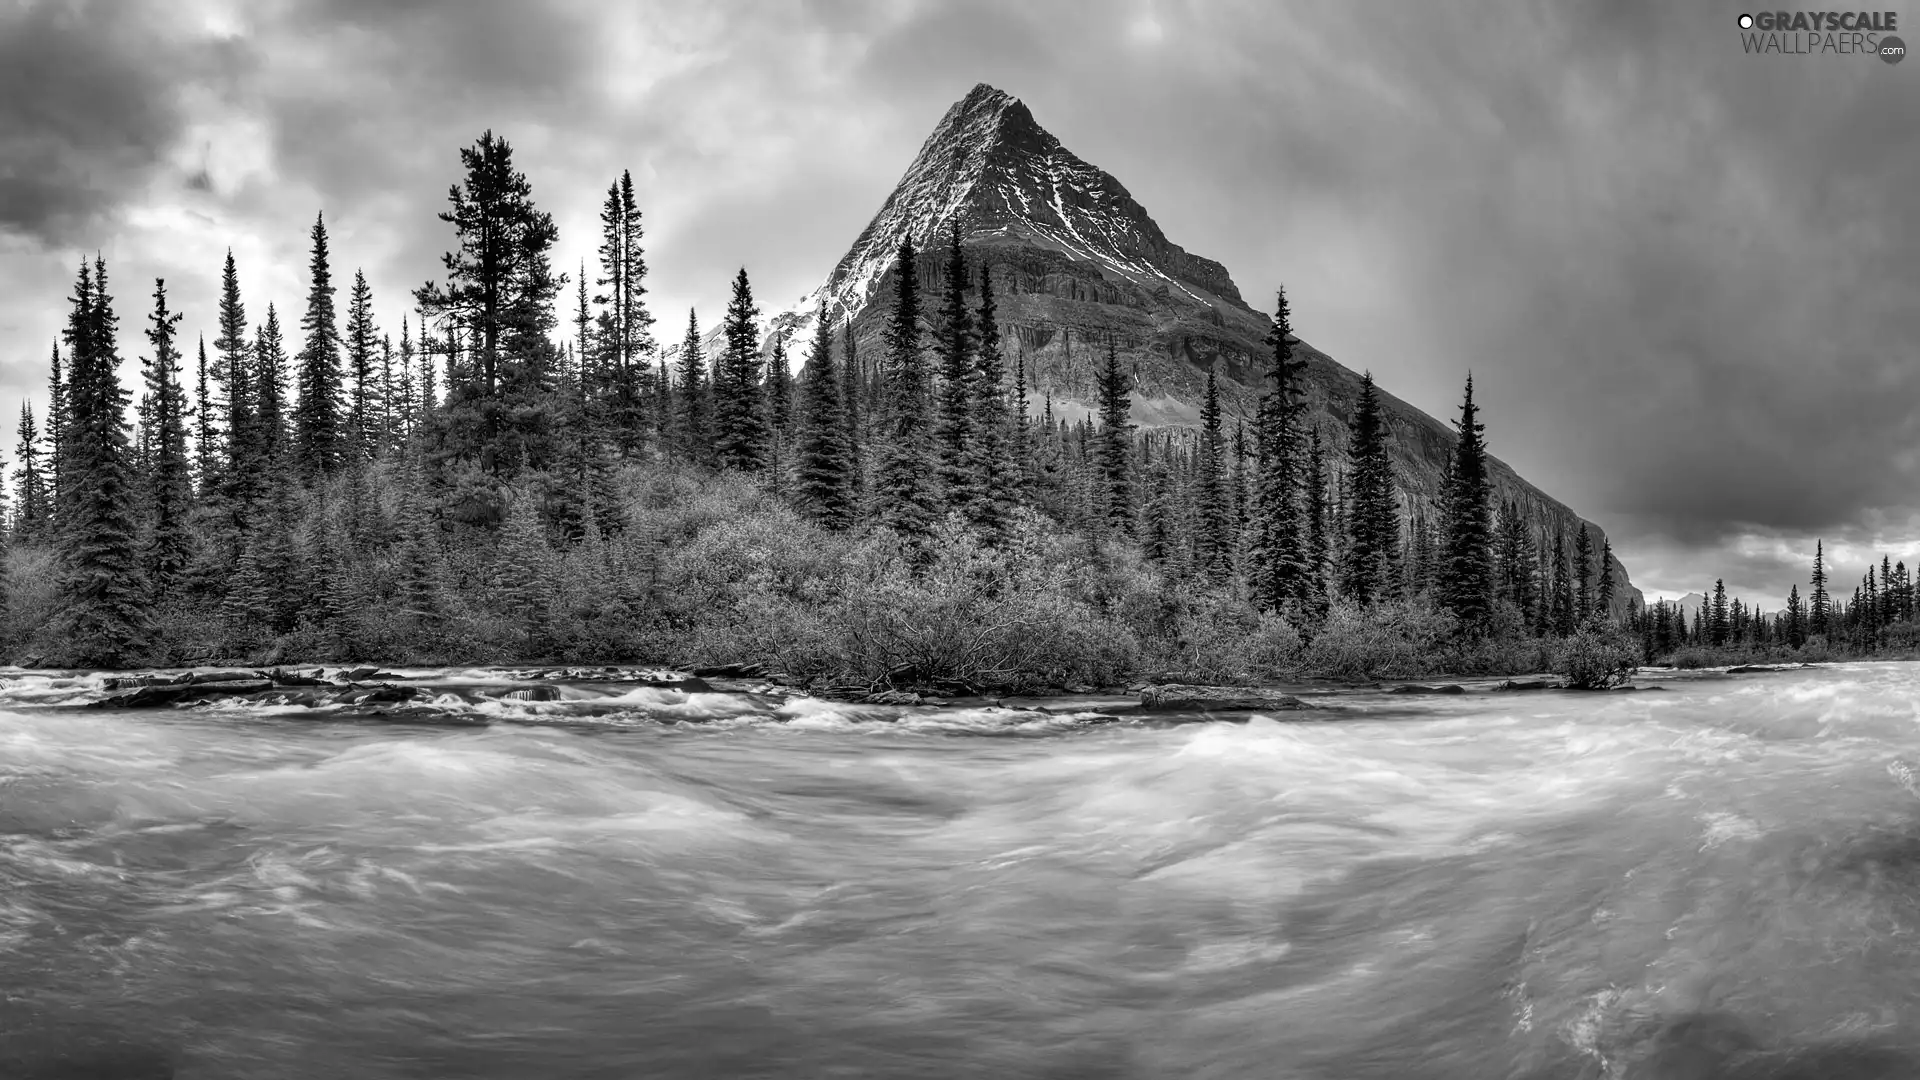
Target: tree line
[(1881, 616), (267, 499)]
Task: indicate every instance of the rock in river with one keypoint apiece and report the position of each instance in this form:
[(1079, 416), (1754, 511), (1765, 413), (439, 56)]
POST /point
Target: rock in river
[(1179, 697)]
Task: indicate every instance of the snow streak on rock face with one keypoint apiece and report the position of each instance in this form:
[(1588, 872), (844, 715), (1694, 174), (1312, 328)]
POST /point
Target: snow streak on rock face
[(992, 164)]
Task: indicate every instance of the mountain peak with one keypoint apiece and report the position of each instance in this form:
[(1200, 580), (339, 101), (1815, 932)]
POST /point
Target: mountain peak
[(991, 165), (983, 95)]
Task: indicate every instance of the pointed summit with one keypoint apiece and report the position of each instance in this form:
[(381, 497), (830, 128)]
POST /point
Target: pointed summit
[(992, 164)]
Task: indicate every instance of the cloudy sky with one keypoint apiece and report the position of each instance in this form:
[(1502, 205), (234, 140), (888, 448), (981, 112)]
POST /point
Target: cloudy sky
[(1685, 278)]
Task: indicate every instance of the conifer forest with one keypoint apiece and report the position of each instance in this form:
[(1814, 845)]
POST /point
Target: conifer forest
[(508, 465)]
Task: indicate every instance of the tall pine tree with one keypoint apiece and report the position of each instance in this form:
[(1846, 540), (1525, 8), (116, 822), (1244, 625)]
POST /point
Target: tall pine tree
[(317, 442), (1213, 527), (905, 495), (31, 514), (1820, 605), (1603, 592), (824, 452), (1114, 498), (499, 288), (990, 462), (690, 431), (1279, 572), (363, 393), (104, 622), (739, 420), (954, 429), (628, 326), (168, 495), (1466, 569), (1373, 520)]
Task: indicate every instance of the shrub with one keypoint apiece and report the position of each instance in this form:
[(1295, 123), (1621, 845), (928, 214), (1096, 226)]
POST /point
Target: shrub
[(1395, 640), (1596, 658)]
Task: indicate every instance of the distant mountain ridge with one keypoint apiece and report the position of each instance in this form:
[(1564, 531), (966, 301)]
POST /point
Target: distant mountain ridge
[(1076, 262)]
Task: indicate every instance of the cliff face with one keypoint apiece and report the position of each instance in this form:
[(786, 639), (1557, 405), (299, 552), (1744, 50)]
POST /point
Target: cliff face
[(1076, 262)]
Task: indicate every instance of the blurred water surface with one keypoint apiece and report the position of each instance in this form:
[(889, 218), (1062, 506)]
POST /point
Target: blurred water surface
[(1718, 880)]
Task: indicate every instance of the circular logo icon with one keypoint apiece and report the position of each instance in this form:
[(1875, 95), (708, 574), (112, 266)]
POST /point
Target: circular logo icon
[(1746, 22), (1892, 49)]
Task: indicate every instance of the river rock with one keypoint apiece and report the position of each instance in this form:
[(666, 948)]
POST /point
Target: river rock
[(730, 671), (1180, 697), (377, 695), (202, 678), (893, 697), (156, 696), (129, 682), (1536, 684), (1418, 688), (533, 693)]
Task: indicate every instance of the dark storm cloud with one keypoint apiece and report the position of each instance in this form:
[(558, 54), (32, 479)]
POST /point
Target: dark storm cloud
[(87, 111)]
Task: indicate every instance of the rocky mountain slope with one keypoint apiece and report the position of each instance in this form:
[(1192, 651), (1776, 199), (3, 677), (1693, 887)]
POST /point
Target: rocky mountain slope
[(1076, 262)]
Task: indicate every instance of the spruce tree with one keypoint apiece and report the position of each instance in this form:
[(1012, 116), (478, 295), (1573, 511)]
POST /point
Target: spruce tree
[(1718, 625), (1796, 627), (739, 420), (1561, 610), (363, 394), (691, 432), (233, 373), (1021, 432), (1157, 538), (168, 493), (1213, 526), (317, 440), (779, 393), (406, 403), (954, 428), (1583, 576), (1886, 595), (270, 447), (1317, 514), (387, 394), (1373, 525), (31, 515), (104, 622), (852, 387), (1279, 564), (205, 454), (1466, 568), (628, 327), (1513, 565), (905, 496), (1820, 606), (583, 374), (499, 288), (825, 454), (991, 467), (1114, 501), (1603, 593), (520, 579), (57, 413)]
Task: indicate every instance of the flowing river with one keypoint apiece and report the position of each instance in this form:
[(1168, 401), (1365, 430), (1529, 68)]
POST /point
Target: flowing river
[(1720, 879)]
